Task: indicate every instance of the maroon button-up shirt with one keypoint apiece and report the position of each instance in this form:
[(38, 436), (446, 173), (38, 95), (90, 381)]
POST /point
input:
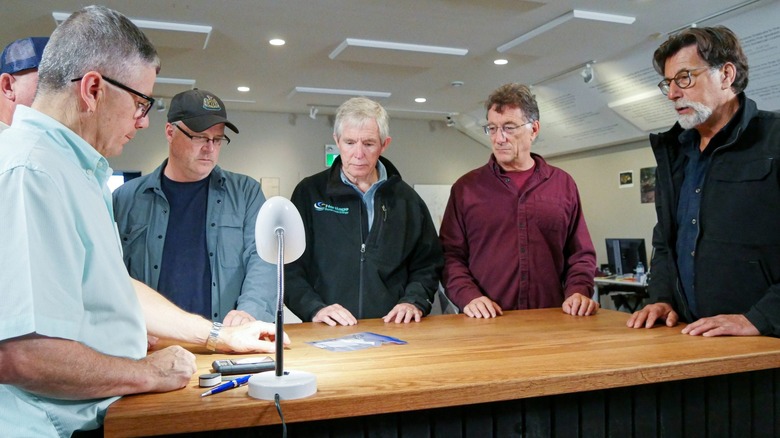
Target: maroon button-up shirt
[(524, 249)]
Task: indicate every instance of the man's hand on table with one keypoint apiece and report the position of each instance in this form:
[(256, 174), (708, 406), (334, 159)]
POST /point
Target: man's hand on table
[(334, 315), (404, 312), (483, 307), (173, 367), (255, 336), (648, 315), (722, 325), (237, 317), (580, 305)]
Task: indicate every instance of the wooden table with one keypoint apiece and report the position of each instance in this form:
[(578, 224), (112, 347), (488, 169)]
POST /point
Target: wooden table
[(454, 361)]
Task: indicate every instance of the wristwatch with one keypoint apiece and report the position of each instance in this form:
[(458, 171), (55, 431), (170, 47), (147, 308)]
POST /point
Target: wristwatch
[(211, 342)]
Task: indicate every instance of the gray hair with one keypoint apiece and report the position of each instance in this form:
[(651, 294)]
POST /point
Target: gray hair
[(359, 110), (514, 95), (94, 38)]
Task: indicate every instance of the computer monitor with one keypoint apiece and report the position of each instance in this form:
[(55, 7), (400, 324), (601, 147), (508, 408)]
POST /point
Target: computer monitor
[(624, 254)]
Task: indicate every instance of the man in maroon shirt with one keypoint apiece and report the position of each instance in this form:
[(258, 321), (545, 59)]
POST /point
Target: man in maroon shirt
[(513, 233)]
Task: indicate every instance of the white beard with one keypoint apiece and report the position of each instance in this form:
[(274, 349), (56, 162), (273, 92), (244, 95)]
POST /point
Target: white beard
[(700, 113)]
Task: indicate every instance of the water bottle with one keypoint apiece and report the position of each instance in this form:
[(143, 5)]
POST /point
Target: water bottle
[(640, 272)]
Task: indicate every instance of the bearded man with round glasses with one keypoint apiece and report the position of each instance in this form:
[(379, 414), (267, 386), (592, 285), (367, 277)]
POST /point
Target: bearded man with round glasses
[(188, 228), (717, 249)]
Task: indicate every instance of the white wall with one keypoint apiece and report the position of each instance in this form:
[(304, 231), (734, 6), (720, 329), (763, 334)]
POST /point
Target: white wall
[(609, 210), (291, 147)]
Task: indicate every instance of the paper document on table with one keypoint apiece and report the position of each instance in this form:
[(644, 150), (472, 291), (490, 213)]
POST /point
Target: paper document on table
[(356, 341)]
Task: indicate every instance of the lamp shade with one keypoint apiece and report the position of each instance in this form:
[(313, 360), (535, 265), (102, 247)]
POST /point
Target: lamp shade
[(279, 213)]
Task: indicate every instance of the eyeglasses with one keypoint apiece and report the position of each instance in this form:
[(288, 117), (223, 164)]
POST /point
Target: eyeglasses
[(683, 79), (200, 140), (509, 129), (142, 108)]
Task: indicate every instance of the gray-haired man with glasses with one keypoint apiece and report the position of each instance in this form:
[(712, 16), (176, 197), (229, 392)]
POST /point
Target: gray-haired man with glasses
[(717, 249), (73, 324), (513, 233), (187, 228)]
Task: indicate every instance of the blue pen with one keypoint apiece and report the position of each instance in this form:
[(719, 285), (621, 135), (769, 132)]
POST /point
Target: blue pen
[(235, 383)]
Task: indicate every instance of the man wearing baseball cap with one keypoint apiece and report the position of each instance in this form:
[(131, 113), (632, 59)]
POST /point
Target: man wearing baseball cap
[(188, 228), (19, 75)]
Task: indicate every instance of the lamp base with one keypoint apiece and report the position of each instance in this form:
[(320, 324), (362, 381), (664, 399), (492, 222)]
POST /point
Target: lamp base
[(290, 386)]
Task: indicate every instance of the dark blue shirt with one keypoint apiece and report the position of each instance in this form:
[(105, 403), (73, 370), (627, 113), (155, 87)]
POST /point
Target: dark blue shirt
[(696, 165), (689, 223), (185, 271)]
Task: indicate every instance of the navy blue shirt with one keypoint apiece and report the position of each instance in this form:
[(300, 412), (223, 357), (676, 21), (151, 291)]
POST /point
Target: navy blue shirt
[(696, 166), (185, 271)]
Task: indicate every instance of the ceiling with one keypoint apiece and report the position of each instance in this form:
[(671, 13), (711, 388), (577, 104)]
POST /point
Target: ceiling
[(325, 46)]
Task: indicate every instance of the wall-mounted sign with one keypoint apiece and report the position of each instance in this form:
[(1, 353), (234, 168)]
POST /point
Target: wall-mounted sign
[(331, 152)]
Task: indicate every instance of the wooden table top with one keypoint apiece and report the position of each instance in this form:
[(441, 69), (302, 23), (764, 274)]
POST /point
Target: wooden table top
[(451, 360)]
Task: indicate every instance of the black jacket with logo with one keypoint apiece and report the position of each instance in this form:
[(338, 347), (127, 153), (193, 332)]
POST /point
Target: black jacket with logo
[(368, 273), (737, 255)]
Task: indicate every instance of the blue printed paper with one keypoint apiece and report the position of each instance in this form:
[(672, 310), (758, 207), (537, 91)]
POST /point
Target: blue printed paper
[(356, 341)]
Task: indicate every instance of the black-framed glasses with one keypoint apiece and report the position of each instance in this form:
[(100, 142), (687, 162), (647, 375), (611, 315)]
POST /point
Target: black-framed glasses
[(683, 79), (142, 108), (509, 129), (201, 140)]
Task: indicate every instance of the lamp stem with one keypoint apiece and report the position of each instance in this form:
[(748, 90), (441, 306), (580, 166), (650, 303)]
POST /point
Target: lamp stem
[(280, 303)]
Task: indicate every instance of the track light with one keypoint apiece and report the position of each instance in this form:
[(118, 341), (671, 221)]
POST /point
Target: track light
[(313, 113), (587, 73), (160, 105)]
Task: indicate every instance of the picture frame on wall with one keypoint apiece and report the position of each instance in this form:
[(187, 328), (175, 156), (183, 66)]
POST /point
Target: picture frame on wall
[(626, 179), (647, 185)]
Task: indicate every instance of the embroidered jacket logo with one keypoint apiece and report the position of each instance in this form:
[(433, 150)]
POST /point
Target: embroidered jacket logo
[(321, 206)]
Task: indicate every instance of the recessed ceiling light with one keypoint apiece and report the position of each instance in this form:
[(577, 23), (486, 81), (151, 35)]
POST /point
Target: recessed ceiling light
[(276, 42), (500, 62), (420, 99), (243, 89)]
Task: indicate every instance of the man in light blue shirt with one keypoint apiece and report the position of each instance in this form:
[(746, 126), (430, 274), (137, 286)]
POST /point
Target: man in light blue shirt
[(73, 325)]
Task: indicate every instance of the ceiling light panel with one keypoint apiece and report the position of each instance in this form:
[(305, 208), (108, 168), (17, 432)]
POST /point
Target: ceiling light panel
[(339, 92), (326, 97), (575, 37), (163, 33), (393, 53), (565, 18)]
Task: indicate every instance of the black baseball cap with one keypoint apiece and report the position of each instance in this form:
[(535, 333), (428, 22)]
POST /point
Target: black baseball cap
[(199, 110)]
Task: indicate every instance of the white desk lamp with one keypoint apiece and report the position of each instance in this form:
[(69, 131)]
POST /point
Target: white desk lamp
[(279, 219)]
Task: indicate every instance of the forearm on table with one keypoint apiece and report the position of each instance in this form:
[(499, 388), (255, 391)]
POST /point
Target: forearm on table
[(66, 369), (165, 320)]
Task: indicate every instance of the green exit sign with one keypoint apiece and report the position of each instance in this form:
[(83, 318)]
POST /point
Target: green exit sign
[(331, 152)]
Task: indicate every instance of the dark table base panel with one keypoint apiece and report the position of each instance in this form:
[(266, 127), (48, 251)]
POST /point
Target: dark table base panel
[(735, 405)]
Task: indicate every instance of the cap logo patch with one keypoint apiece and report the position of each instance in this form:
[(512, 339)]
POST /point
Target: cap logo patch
[(211, 104)]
